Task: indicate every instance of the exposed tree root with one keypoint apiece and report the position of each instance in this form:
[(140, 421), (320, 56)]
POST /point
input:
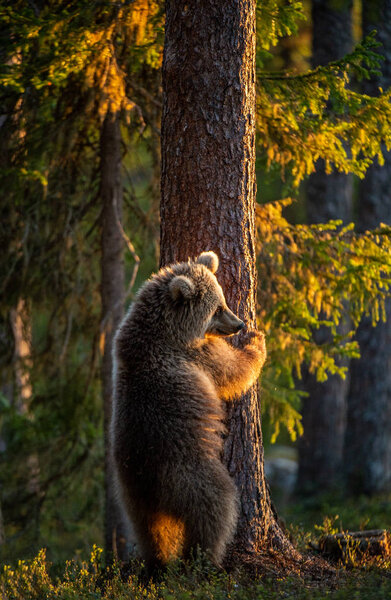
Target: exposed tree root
[(276, 564)]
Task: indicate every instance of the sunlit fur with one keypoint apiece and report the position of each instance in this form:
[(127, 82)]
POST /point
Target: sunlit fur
[(172, 373)]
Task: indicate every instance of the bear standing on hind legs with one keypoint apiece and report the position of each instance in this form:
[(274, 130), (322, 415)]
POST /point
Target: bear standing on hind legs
[(173, 370)]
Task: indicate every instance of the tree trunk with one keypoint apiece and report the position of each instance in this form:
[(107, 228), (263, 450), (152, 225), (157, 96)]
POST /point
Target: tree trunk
[(20, 320), (21, 329), (368, 434), (208, 201), (112, 295), (328, 197)]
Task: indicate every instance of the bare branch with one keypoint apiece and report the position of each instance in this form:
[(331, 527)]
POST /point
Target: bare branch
[(145, 93), (130, 247), (67, 336)]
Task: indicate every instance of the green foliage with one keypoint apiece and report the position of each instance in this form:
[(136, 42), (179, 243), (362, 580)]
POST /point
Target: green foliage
[(276, 19), (63, 40), (314, 276), (64, 67), (319, 114)]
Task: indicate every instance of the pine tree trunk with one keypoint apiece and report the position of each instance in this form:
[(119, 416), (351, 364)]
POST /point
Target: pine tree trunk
[(112, 295), (208, 201), (368, 434), (328, 197)]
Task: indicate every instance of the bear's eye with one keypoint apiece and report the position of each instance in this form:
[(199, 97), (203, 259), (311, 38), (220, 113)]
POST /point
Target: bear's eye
[(218, 311)]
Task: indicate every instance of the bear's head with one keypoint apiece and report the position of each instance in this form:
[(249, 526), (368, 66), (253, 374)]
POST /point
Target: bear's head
[(180, 303), (196, 301)]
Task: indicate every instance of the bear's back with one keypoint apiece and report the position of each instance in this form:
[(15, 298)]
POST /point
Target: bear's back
[(165, 411)]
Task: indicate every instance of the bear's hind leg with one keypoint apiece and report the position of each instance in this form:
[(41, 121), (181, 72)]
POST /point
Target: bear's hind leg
[(160, 536), (211, 517)]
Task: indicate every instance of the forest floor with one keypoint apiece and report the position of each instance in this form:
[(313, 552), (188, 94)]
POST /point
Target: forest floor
[(356, 577), (36, 580)]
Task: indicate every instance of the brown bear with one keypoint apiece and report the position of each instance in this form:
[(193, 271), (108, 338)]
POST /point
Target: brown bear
[(173, 369)]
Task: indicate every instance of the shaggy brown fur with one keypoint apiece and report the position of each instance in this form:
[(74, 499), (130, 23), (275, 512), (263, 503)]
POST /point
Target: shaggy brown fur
[(173, 369)]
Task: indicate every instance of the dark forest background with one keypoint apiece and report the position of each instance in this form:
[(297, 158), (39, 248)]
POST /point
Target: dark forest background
[(81, 98)]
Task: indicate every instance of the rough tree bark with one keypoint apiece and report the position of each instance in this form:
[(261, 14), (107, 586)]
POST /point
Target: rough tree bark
[(208, 202), (368, 432), (113, 298), (328, 197)]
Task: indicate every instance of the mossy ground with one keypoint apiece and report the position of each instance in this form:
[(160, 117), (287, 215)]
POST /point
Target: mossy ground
[(362, 578)]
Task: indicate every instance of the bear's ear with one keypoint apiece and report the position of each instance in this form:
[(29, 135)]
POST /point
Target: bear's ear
[(181, 287), (210, 260)]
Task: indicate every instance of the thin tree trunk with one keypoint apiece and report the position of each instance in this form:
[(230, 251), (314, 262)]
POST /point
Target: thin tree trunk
[(19, 393), (21, 329), (208, 201), (112, 295), (20, 319), (328, 197), (368, 434)]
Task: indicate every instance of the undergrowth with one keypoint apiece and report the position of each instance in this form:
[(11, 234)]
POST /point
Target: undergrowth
[(334, 512), (76, 579), (37, 579)]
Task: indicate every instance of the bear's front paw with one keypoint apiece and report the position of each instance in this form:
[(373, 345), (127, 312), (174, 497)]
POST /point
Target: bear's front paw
[(255, 338)]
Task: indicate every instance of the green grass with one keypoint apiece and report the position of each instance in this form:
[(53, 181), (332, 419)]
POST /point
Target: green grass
[(37, 579), (333, 512)]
